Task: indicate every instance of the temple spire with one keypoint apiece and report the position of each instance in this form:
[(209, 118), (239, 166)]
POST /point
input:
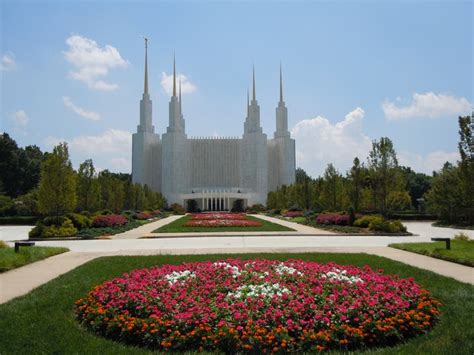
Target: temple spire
[(145, 89), (253, 94), (174, 75), (281, 85), (248, 104), (180, 106)]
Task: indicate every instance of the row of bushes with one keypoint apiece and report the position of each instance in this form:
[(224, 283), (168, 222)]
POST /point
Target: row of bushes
[(374, 223), (71, 224)]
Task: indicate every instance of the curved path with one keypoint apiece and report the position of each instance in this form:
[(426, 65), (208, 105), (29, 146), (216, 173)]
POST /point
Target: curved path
[(22, 280)]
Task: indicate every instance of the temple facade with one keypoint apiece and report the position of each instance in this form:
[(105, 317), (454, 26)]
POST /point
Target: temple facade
[(214, 172)]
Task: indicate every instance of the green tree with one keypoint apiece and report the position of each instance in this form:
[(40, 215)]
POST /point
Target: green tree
[(19, 167), (417, 184), (383, 167), (446, 194), (332, 189), (57, 187), (466, 165), (356, 183), (88, 188)]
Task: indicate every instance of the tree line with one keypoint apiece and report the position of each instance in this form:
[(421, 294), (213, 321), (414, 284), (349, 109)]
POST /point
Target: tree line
[(382, 186), (54, 188), (33, 182)]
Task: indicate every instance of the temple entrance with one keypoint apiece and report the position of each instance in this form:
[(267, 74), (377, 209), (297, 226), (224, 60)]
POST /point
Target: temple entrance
[(215, 200)]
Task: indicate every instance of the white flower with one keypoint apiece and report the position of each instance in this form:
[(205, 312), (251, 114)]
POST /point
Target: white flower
[(341, 275), (283, 269), (179, 276), (233, 269), (266, 290)]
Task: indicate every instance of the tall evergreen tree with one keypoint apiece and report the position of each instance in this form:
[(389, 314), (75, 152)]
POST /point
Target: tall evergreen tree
[(383, 165), (88, 188), (356, 184), (57, 188)]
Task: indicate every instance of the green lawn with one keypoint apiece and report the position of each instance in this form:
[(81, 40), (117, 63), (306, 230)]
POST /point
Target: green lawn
[(462, 252), (178, 227), (11, 260), (43, 321)]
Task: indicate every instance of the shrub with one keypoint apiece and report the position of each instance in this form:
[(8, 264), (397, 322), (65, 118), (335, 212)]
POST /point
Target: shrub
[(352, 216), (333, 219), (176, 208), (54, 221), (309, 213), (292, 214), (238, 206), (6, 205), (379, 224), (104, 213), (274, 211), (66, 229), (142, 216), (27, 205), (257, 208), (3, 245), (37, 231), (192, 206), (462, 237), (79, 221), (156, 213), (294, 208), (111, 220), (364, 221), (130, 215)]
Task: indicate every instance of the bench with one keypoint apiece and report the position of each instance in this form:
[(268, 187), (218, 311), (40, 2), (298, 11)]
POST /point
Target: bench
[(446, 240), (23, 244)]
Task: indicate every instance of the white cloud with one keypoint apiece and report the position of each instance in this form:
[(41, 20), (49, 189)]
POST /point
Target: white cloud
[(167, 84), (92, 62), (433, 161), (8, 62), (426, 105), (90, 115), (319, 142), (20, 119), (110, 150)]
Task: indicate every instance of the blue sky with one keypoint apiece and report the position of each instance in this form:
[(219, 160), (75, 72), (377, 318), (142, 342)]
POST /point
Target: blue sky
[(353, 72)]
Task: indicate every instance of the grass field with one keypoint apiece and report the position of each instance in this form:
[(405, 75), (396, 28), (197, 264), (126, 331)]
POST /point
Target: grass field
[(43, 321), (178, 227), (11, 260), (461, 252)]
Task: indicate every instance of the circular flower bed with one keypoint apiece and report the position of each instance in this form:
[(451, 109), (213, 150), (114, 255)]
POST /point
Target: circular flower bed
[(258, 306)]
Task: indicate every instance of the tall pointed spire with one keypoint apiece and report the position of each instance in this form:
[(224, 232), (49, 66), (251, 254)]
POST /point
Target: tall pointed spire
[(253, 94), (281, 85), (248, 103), (174, 75), (180, 105), (145, 89)]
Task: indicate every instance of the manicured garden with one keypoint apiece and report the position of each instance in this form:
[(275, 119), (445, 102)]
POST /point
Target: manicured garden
[(89, 226), (54, 305), (220, 222), (461, 252), (343, 222), (10, 260)]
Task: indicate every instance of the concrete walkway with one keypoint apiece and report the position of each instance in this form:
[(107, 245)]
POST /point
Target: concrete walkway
[(145, 229), (20, 281), (299, 228)]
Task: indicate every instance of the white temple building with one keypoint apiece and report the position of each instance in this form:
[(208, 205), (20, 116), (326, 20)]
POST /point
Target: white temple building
[(212, 171)]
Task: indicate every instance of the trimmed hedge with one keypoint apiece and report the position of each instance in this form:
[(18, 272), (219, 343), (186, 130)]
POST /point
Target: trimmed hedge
[(19, 220)]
